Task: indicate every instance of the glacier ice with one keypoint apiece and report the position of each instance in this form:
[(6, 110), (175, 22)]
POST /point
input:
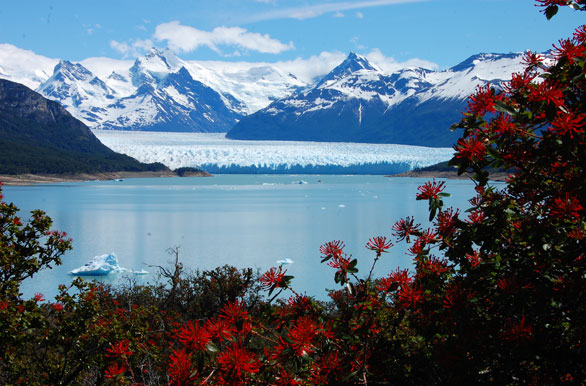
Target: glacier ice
[(216, 154)]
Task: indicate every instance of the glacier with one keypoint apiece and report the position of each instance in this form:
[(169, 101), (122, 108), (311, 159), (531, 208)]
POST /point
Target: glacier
[(216, 154)]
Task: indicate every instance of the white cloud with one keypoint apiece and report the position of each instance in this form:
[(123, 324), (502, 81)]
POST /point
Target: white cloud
[(132, 49), (389, 64), (312, 11), (360, 15), (338, 14), (184, 38), (311, 68)]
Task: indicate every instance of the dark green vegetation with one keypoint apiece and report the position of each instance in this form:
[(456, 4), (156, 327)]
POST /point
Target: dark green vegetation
[(189, 172), (39, 136)]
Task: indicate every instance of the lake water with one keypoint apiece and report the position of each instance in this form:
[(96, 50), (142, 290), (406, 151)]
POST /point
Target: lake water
[(241, 220)]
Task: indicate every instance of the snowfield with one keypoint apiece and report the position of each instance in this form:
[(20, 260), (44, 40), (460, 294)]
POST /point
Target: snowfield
[(216, 154)]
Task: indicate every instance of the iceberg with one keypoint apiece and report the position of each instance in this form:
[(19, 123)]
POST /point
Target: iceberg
[(103, 265), (285, 261)]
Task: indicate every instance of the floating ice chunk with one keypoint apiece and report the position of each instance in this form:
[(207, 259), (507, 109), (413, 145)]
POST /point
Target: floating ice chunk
[(99, 266), (285, 261), (341, 206)]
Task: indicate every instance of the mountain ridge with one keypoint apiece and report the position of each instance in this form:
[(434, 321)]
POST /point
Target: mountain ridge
[(356, 102)]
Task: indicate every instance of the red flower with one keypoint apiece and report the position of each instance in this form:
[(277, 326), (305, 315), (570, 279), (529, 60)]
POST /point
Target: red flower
[(567, 207), (285, 379), (235, 361), (547, 92), (417, 248), (180, 372), (483, 101), (234, 311), (118, 349), (476, 216), (580, 34), (568, 123), (331, 249), (577, 234), (379, 244), (303, 332), (410, 296), (568, 50), (517, 331), (430, 190), (404, 228), (115, 370), (435, 266), (57, 306), (470, 148), (503, 125), (520, 82), (220, 329), (274, 278), (39, 297), (508, 285), (446, 222), (193, 336), (474, 259)]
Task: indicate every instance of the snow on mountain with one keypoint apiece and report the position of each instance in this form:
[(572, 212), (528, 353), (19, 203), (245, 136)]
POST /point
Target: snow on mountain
[(357, 102), (216, 154), (79, 91), (24, 67)]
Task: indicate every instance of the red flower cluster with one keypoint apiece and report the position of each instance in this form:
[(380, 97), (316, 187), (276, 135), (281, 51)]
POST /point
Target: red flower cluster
[(405, 227), (379, 244), (430, 190)]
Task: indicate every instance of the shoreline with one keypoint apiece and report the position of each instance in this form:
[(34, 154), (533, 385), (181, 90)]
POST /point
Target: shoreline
[(34, 179), (451, 175)]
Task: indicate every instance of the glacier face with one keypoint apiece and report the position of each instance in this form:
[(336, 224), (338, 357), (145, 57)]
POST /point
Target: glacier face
[(216, 154)]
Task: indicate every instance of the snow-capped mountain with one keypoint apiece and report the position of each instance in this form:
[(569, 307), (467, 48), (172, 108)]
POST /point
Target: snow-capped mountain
[(357, 102), (158, 91)]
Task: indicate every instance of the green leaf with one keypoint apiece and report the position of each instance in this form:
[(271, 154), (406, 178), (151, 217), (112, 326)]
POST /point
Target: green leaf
[(502, 107), (212, 347), (551, 11)]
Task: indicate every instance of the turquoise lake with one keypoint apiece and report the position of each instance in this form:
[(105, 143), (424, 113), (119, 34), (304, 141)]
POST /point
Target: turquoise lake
[(241, 220)]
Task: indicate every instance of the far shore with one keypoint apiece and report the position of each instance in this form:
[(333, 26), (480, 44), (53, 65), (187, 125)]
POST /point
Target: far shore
[(33, 179), (452, 175)]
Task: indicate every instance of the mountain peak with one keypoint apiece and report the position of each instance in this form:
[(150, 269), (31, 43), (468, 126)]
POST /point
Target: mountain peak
[(353, 63), (72, 70)]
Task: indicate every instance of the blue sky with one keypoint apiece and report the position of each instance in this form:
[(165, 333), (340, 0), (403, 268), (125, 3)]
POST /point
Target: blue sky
[(443, 32)]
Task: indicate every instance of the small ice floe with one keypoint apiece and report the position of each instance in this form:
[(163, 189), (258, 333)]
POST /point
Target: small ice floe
[(285, 261), (341, 206), (103, 265)]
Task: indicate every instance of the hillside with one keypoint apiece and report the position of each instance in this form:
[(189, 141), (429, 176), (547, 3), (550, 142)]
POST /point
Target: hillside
[(39, 136)]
